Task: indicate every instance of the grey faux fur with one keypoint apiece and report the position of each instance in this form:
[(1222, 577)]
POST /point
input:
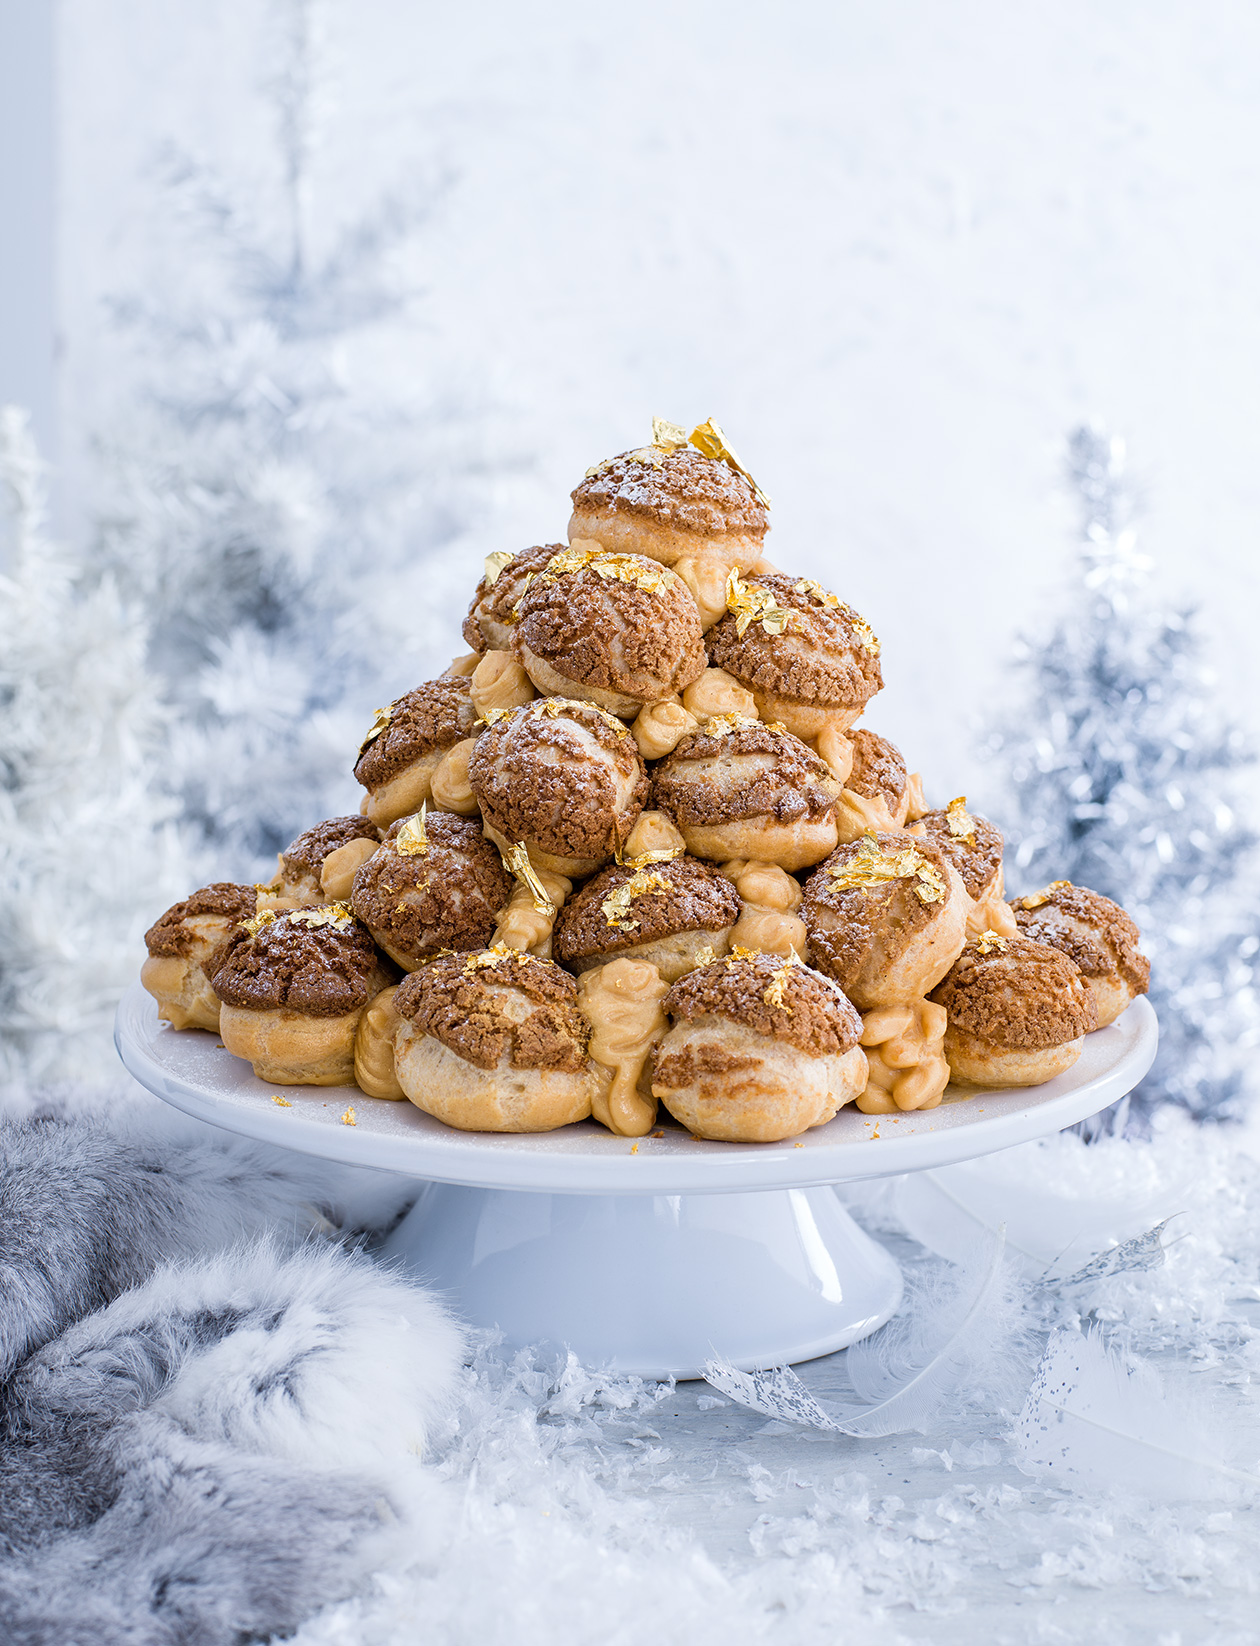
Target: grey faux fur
[(195, 1450)]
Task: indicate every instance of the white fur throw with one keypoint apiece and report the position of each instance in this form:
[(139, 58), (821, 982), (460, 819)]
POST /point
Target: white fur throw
[(211, 1413)]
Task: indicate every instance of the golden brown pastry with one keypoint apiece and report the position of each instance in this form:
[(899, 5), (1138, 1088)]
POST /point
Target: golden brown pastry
[(1018, 1012), (320, 865), (614, 629), (761, 1049), (877, 790), (673, 505), (293, 987), (1096, 934), (406, 743), (974, 846), (740, 789), (185, 949), (808, 659), (664, 913), (564, 778), (494, 1042), (492, 615), (886, 917), (436, 883)]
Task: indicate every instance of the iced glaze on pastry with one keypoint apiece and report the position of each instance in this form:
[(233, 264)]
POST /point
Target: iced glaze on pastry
[(622, 1003)]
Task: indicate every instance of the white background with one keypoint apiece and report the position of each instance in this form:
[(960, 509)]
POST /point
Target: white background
[(898, 249)]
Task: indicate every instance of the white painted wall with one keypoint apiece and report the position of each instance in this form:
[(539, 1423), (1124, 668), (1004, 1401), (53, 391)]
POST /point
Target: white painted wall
[(897, 249)]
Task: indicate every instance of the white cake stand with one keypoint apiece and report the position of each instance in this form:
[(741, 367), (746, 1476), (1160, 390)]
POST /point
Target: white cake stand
[(648, 1256)]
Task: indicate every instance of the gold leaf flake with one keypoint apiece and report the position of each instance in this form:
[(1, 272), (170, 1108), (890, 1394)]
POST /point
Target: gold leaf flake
[(870, 868), (554, 707), (492, 716), (1036, 899), (719, 725), (773, 995), (645, 860), (348, 1119), (525, 583), (815, 591), (412, 840), (598, 468), (379, 725), (612, 567), (867, 637), (495, 564), (958, 820), (255, 924), (708, 438), (616, 906), (282, 1101), (330, 914), (705, 956), (988, 941), (516, 861), (748, 603), (669, 436), (647, 454), (489, 958)]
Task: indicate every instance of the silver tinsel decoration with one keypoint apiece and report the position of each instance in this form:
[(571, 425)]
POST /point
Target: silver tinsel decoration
[(1123, 773)]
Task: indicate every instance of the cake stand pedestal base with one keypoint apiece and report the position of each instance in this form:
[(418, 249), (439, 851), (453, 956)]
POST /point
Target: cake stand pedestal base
[(653, 1284)]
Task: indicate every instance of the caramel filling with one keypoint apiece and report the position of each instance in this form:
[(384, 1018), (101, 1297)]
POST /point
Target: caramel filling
[(905, 1054), (523, 924), (622, 1004), (659, 728), (771, 898), (449, 785), (500, 682), (336, 875), (716, 693), (374, 1071)]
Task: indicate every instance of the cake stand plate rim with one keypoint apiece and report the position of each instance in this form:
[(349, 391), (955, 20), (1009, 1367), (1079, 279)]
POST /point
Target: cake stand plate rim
[(190, 1071)]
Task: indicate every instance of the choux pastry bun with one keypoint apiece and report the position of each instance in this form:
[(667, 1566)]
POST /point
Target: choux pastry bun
[(876, 793), (436, 883), (320, 865), (492, 614), (293, 987), (1018, 1012), (672, 503), (808, 659), (406, 743), (739, 789), (886, 917), (619, 630), (1096, 934), (666, 913), (760, 1049), (186, 947), (494, 1042), (974, 846), (564, 778)]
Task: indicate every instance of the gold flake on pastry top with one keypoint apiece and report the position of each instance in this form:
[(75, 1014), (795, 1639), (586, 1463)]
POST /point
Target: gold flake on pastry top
[(489, 958), (872, 868), (668, 436), (645, 860), (264, 917), (709, 439), (552, 707), (495, 563), (621, 568), (516, 862), (705, 956), (720, 725), (329, 914), (773, 993), (815, 591), (412, 840), (958, 820), (379, 725), (988, 941), (616, 906), (749, 604), (1036, 899)]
